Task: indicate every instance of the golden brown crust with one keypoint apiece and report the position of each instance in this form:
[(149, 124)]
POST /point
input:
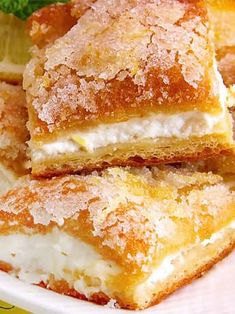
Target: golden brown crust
[(79, 201), (144, 153), (223, 164), (54, 21), (62, 287), (102, 299), (132, 217), (198, 272), (70, 86), (194, 275)]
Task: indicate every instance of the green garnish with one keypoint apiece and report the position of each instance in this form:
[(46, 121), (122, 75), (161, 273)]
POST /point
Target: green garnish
[(24, 8)]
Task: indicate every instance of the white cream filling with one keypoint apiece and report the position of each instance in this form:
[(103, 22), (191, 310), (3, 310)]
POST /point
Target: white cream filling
[(71, 259), (57, 253), (182, 125), (7, 178), (167, 267)]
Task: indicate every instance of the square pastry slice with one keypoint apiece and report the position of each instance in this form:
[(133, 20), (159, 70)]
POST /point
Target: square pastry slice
[(131, 83), (222, 15), (13, 134), (131, 236)]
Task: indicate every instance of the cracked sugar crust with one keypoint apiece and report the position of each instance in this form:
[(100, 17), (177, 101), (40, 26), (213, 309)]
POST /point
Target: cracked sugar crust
[(13, 118), (124, 59), (134, 216)]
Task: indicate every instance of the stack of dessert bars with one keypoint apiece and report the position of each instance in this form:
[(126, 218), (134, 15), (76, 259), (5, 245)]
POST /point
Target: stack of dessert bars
[(124, 191)]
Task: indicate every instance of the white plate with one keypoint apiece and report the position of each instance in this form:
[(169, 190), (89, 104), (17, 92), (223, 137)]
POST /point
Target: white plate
[(212, 294)]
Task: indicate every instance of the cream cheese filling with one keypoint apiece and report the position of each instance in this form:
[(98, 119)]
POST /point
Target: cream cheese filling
[(181, 125), (36, 257)]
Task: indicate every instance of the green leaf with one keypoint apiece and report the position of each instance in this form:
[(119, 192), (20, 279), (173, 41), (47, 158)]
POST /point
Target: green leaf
[(24, 8)]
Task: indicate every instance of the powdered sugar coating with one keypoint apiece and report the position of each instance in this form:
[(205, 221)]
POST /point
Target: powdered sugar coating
[(133, 215), (124, 58)]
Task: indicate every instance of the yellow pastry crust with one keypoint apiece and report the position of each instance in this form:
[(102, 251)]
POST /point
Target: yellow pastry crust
[(125, 64), (133, 217), (50, 23), (144, 153)]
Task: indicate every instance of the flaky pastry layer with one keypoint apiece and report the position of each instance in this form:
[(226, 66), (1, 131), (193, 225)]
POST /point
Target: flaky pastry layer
[(145, 152), (223, 164), (156, 228)]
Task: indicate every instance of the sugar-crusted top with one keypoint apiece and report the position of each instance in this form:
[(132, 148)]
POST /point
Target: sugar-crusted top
[(13, 118), (133, 215), (124, 58)]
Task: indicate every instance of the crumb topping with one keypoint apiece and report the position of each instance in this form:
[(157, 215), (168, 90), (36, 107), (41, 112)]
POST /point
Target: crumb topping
[(136, 214), (122, 58)]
